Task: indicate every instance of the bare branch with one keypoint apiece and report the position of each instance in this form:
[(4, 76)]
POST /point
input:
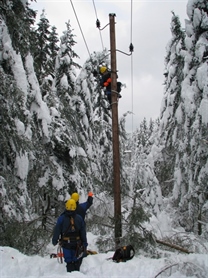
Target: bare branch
[(165, 268), (173, 246)]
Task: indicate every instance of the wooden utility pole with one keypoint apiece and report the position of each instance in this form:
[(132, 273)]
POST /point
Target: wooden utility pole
[(115, 132)]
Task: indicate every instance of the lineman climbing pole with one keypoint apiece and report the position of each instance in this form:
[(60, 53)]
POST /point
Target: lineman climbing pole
[(115, 132)]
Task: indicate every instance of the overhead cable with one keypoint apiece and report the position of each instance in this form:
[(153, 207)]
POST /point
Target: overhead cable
[(131, 20), (98, 24), (131, 49), (80, 28)]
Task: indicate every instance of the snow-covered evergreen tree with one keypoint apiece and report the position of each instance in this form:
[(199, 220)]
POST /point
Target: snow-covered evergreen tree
[(184, 120), (141, 192), (27, 118), (142, 179), (53, 47), (57, 137), (43, 144), (174, 64), (19, 18), (42, 50), (95, 119)]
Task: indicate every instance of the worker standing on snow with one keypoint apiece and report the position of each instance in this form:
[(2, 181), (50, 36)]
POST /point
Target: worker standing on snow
[(70, 230)]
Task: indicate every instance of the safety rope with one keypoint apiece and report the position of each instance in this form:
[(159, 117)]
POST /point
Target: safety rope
[(115, 92), (115, 102)]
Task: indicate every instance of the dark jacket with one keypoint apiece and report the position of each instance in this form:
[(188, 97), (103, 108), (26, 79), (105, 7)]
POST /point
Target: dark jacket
[(63, 224), (83, 207), (105, 81)]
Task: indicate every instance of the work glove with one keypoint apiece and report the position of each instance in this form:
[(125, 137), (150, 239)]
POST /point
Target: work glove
[(90, 194)]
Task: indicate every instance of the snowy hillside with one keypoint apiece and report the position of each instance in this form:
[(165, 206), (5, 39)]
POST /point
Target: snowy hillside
[(16, 265)]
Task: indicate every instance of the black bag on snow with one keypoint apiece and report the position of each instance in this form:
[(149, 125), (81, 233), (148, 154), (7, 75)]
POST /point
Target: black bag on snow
[(124, 254)]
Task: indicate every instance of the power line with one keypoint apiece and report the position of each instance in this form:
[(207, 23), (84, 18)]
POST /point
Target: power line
[(131, 20), (132, 93), (131, 48), (80, 28), (98, 22)]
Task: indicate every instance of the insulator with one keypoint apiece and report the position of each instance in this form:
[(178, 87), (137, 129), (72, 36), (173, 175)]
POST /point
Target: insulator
[(98, 23), (131, 47)]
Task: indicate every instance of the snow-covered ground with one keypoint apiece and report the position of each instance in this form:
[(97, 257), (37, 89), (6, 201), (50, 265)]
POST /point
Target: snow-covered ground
[(14, 264)]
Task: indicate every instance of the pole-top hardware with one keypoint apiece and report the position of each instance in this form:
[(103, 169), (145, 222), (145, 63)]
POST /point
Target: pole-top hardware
[(98, 23), (131, 47), (128, 54)]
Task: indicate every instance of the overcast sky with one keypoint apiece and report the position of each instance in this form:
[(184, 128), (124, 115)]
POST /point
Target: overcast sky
[(150, 36)]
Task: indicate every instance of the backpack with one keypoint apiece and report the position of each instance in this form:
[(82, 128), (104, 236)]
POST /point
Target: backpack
[(123, 254)]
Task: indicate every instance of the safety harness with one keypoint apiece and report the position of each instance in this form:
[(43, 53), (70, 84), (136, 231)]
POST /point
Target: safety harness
[(70, 235)]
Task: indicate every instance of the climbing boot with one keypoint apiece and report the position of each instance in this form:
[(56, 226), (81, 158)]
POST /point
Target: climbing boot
[(70, 267)]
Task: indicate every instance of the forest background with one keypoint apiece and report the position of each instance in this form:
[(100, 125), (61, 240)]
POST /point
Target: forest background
[(56, 137), (136, 22)]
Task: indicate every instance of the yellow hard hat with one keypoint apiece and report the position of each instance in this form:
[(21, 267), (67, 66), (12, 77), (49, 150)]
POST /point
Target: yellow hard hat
[(75, 196), (71, 204), (103, 69)]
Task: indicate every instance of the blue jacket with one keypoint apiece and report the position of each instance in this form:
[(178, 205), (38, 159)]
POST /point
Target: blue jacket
[(63, 224), (83, 207)]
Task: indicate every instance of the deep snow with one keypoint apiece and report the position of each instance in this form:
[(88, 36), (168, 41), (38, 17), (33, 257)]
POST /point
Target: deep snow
[(15, 264)]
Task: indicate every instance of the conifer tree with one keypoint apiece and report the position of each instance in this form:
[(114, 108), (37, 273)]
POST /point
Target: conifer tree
[(63, 100), (42, 51), (95, 119), (142, 180), (174, 64), (184, 122), (65, 62), (19, 18), (193, 153), (46, 85), (54, 48)]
